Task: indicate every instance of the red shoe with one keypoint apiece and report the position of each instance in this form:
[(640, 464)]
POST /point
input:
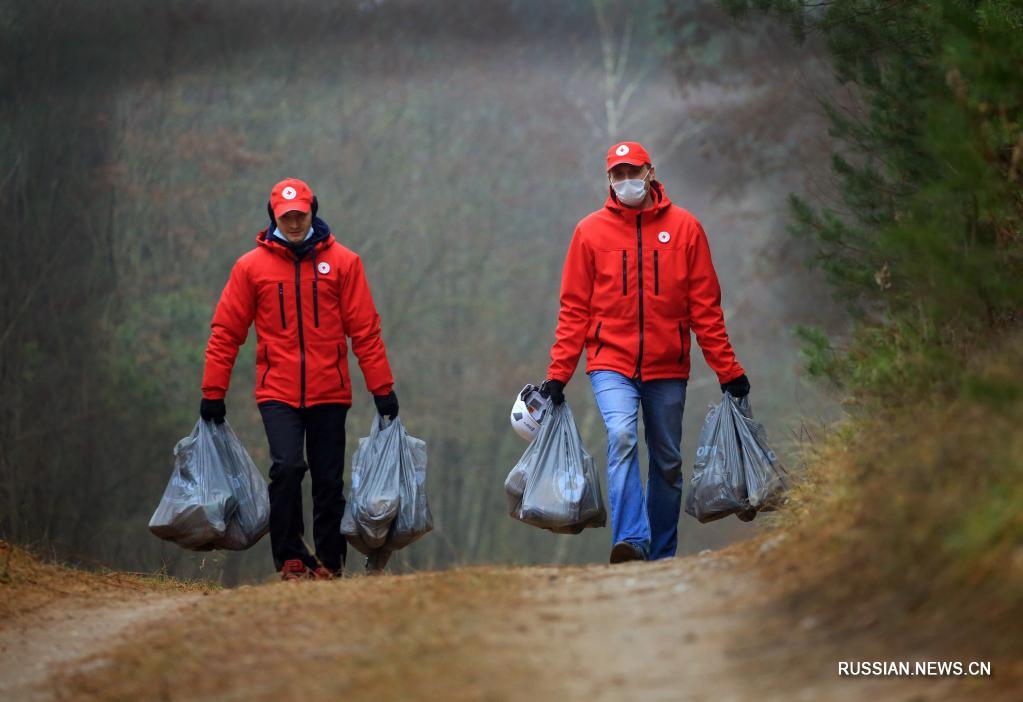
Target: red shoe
[(295, 569), (322, 573)]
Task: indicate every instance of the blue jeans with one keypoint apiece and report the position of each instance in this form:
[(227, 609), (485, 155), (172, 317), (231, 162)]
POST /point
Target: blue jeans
[(650, 524)]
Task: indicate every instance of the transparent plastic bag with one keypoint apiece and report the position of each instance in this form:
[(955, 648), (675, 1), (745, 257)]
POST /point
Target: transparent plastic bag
[(414, 518), (199, 501), (251, 519), (718, 486), (554, 485), (735, 471), (387, 506), (765, 476), (349, 525), (515, 483)]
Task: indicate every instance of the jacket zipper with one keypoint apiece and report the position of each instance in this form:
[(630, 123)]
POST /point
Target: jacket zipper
[(681, 343), (657, 275), (639, 267), (600, 344), (625, 273), (339, 375), (301, 338), (266, 357), (280, 298)]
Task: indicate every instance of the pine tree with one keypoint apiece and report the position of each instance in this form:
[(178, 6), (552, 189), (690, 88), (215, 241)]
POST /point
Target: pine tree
[(924, 247)]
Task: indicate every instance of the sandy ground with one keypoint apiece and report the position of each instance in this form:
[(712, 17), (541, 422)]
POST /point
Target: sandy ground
[(700, 628), (69, 630), (697, 629)]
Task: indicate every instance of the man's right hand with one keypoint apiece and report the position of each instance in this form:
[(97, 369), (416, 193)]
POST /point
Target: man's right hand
[(387, 405), (554, 389), (212, 410)]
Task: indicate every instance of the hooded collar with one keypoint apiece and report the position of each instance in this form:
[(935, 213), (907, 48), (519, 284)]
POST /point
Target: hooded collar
[(661, 202), (277, 233), (321, 239)]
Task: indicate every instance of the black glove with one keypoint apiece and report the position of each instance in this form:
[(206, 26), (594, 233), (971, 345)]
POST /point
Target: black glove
[(738, 387), (212, 410), (387, 405), (554, 389)]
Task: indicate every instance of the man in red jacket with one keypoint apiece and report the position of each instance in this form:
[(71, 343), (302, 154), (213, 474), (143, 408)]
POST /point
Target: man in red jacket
[(307, 295), (637, 278)]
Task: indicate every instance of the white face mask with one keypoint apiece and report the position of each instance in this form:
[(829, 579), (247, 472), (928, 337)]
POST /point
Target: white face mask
[(631, 192)]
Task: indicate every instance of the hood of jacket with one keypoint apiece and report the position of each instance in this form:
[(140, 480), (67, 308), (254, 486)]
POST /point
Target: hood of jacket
[(321, 239)]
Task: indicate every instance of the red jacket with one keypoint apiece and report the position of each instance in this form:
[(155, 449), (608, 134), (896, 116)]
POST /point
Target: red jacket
[(303, 310), (634, 283)]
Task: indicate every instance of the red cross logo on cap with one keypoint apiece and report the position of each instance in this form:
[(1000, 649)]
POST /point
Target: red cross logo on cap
[(291, 194), (631, 152)]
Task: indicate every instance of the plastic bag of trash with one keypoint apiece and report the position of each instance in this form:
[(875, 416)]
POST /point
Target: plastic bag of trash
[(554, 485), (765, 481), (735, 471), (515, 483), (387, 506), (198, 502), (414, 518), (718, 485), (373, 499), (251, 520)]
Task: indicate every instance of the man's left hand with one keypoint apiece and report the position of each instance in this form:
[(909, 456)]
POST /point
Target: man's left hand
[(738, 387)]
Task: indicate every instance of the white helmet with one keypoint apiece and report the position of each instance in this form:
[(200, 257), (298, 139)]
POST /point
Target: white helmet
[(528, 412)]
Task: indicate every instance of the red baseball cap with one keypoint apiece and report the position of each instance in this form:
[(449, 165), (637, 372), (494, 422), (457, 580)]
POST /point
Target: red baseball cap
[(631, 152), (291, 194)]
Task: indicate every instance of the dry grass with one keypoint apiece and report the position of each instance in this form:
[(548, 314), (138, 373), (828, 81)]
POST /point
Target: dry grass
[(28, 582), (400, 637), (907, 526)]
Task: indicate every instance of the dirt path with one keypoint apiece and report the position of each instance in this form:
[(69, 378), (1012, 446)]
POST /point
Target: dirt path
[(35, 646), (696, 628)]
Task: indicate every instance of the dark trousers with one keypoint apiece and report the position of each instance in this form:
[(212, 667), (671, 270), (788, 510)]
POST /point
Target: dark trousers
[(322, 427)]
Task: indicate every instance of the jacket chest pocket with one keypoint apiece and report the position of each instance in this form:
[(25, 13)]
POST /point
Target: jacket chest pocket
[(325, 301), (614, 275), (657, 272), (280, 304), (276, 306), (668, 285)]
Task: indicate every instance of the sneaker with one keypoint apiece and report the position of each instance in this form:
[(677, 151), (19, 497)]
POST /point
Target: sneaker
[(322, 573), (625, 551), (294, 569)]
